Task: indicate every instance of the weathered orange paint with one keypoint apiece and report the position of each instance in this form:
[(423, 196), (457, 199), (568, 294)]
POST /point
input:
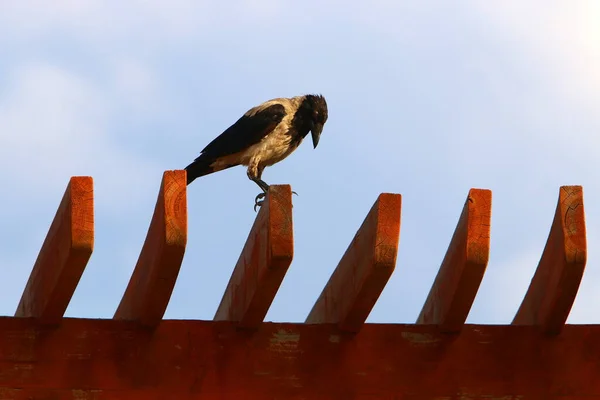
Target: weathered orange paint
[(460, 275), (111, 359), (263, 263), (556, 281), (151, 285), (64, 254), (364, 270)]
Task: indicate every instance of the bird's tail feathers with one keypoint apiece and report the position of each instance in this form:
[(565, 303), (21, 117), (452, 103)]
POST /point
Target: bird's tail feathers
[(199, 167), (202, 166)]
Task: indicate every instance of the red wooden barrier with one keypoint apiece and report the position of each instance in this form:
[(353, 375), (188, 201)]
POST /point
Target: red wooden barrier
[(364, 270), (151, 285), (63, 257), (121, 359), (265, 259), (457, 282), (108, 359), (556, 281)]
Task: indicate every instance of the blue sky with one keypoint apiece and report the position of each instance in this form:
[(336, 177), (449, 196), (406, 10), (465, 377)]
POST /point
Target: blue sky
[(425, 99)]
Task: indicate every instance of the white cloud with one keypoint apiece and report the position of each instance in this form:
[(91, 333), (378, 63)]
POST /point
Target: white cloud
[(135, 20), (137, 87), (55, 124)]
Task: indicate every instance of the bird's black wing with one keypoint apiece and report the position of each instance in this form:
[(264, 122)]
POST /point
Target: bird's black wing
[(246, 131)]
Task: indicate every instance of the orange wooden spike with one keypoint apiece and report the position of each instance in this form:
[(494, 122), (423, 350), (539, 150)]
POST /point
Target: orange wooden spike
[(554, 286), (65, 253), (457, 282), (264, 261), (152, 282), (364, 270)]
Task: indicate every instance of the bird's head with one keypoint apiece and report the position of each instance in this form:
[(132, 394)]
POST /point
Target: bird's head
[(315, 111)]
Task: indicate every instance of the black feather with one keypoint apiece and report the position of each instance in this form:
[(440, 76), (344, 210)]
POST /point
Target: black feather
[(199, 167), (245, 132)]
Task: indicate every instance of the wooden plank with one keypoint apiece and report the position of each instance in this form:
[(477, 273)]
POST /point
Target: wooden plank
[(64, 254), (108, 359), (151, 285), (457, 282), (554, 286), (364, 270), (263, 263)]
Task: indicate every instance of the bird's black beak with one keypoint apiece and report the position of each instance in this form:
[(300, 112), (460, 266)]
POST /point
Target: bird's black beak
[(316, 134)]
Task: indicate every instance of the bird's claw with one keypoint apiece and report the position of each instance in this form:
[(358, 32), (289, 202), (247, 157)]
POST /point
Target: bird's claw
[(257, 201)]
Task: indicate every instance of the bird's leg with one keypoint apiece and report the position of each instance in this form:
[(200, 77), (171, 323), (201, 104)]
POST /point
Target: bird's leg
[(265, 188), (255, 173)]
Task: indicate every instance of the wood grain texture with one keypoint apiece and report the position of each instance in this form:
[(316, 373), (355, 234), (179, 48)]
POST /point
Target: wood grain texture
[(554, 286), (365, 268), (109, 359), (263, 263), (151, 285), (64, 254), (457, 282)]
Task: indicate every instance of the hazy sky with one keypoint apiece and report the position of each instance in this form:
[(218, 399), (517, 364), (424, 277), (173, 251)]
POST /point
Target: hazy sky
[(425, 99)]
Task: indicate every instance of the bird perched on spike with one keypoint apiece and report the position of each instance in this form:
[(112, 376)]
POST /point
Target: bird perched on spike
[(263, 136)]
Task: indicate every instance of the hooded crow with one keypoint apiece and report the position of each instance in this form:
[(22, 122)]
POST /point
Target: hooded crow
[(263, 136)]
